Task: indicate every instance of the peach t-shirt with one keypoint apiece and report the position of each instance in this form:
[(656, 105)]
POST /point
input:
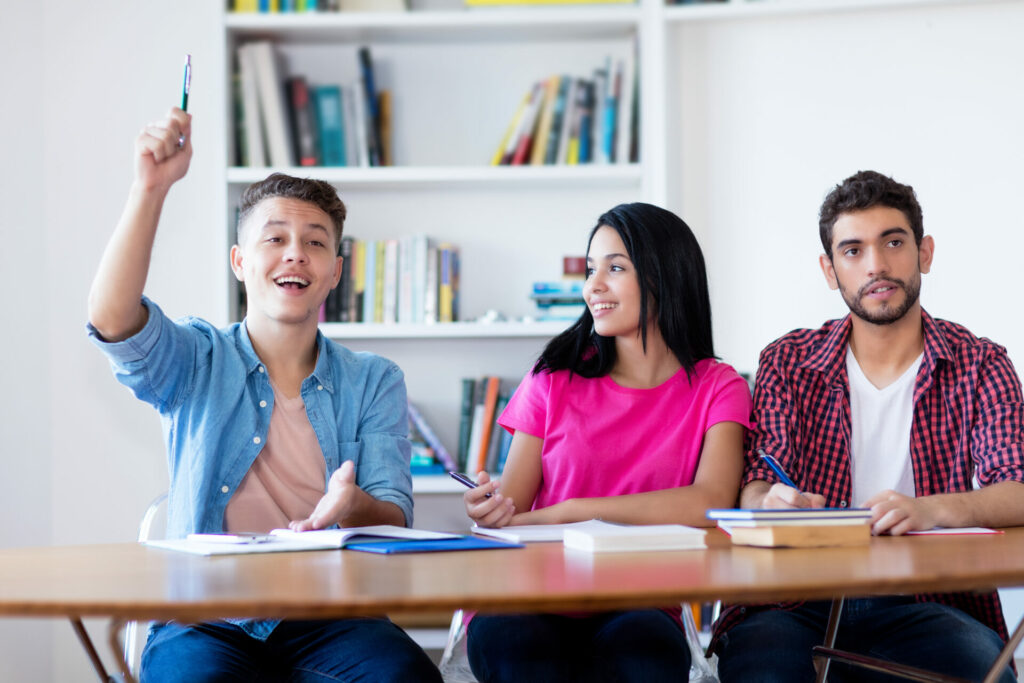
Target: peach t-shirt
[(287, 478)]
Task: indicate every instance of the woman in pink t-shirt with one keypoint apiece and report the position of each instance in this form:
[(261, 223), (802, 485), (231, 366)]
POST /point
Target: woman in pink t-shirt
[(626, 416)]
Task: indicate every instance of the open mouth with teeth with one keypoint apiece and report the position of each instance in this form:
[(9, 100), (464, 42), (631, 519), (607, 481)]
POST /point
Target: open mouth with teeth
[(291, 282), (603, 307)]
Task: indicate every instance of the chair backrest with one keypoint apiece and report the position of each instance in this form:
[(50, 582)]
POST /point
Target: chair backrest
[(153, 525)]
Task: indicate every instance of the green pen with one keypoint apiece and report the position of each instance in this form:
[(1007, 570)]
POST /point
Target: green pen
[(187, 83)]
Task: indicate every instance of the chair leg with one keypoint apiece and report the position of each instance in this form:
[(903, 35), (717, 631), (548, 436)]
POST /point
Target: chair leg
[(117, 647), (90, 650)]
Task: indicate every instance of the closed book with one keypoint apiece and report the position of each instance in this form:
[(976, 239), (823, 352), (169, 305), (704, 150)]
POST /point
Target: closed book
[(389, 304), (497, 431), (545, 120), (624, 118), (420, 247), (360, 117), (597, 536), (430, 286), (557, 120), (508, 141), (344, 287), (598, 154), (586, 132), (405, 280), (269, 84), (490, 405), (569, 118), (528, 128), (378, 281), (444, 287), (432, 440), (330, 124), (355, 149), (253, 121), (384, 126), (802, 536), (465, 422), (369, 281), (611, 113), (305, 141), (368, 83)]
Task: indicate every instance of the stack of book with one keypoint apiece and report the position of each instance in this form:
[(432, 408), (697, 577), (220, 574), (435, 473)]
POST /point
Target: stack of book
[(483, 444), (797, 528), (412, 279), (561, 300), (569, 120), (286, 121)]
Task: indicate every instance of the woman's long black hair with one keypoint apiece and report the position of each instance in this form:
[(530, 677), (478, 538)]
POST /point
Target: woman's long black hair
[(670, 269)]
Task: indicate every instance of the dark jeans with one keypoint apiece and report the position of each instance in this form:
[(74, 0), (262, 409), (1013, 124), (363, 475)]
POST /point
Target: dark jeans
[(640, 645), (774, 646), (306, 651)]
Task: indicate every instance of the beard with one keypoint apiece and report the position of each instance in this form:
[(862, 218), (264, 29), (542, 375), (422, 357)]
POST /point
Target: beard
[(886, 314)]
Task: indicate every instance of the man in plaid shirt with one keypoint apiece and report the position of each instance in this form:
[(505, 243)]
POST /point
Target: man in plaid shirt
[(889, 409)]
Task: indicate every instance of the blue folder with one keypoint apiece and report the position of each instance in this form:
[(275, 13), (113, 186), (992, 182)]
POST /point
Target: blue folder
[(438, 545)]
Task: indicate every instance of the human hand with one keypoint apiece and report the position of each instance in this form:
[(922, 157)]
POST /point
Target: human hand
[(782, 497), (896, 514), (163, 151), (336, 504), (495, 511)]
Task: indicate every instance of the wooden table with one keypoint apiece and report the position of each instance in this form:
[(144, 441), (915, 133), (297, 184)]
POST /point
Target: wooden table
[(132, 582)]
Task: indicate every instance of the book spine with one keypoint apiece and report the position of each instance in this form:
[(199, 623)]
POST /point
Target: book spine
[(545, 121), (303, 124), (430, 288), (440, 452), (390, 300), (465, 422), (370, 282), (372, 109), (272, 103), (405, 279), (344, 287), (256, 152), (330, 124), (489, 406), (507, 148), (444, 295), (557, 121), (359, 281)]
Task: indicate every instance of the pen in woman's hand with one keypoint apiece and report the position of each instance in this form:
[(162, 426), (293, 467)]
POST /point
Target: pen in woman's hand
[(466, 481), (777, 469)]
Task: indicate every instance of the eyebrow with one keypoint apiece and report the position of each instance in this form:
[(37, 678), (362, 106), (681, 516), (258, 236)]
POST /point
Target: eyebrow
[(886, 233), (608, 256), (274, 223)]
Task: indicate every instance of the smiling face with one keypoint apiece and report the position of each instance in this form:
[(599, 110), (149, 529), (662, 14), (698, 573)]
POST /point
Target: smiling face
[(876, 265), (612, 290), (287, 260)]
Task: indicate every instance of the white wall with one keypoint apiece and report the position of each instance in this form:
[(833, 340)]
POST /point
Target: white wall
[(780, 109)]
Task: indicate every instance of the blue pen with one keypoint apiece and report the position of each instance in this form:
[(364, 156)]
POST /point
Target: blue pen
[(466, 481), (777, 469)]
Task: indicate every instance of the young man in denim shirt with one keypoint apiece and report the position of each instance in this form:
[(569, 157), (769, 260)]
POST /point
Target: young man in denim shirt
[(267, 422)]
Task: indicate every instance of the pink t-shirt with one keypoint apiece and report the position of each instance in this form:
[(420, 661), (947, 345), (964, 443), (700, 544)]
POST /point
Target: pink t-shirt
[(602, 439), (288, 477)]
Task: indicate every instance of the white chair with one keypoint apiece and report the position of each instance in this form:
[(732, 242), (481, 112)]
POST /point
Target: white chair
[(454, 664), (134, 637)]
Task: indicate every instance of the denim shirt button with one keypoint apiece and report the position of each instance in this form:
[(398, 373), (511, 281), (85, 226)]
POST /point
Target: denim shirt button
[(255, 439), (224, 489), (263, 404), (319, 387), (260, 368)]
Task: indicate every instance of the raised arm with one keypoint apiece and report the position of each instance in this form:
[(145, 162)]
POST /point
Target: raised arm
[(115, 307)]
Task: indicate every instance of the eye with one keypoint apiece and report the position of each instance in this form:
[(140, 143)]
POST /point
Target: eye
[(273, 239), (316, 243), (616, 268), (896, 243), (590, 271), (851, 252)]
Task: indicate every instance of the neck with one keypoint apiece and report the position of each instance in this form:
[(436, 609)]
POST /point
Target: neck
[(289, 352), (884, 352), (639, 369)]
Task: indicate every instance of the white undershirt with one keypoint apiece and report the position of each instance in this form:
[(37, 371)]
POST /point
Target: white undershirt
[(880, 432)]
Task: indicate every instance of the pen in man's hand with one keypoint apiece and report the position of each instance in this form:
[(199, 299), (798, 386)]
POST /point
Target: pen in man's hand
[(777, 469), (466, 481), (187, 83)]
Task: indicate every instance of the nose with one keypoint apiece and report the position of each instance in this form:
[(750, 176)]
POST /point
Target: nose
[(876, 262), (594, 284), (295, 252)]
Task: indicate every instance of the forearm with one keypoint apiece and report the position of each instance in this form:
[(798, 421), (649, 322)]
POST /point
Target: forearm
[(683, 505), (998, 505), (365, 510), (115, 307), (752, 495)]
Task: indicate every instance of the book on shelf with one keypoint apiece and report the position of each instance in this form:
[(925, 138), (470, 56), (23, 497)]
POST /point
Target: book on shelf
[(330, 124), (511, 3), (803, 527), (482, 441), (487, 416), (303, 122), (507, 148), (545, 121), (384, 125), (273, 110), (525, 134), (252, 120), (369, 88), (294, 6), (597, 536), (554, 136), (419, 425)]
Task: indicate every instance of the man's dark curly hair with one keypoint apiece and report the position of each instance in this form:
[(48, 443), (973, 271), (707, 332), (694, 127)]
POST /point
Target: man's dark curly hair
[(317, 192), (864, 190)]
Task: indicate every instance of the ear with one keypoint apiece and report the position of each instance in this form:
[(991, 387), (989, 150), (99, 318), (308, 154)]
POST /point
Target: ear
[(337, 270), (236, 263), (829, 270), (925, 253)]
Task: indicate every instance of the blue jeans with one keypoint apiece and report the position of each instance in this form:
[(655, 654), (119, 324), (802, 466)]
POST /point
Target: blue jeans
[(306, 651), (639, 645), (774, 646)]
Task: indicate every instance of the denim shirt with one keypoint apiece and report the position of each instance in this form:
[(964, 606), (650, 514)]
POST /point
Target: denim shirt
[(215, 399)]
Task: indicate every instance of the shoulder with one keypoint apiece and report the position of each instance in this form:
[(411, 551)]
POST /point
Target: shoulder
[(962, 341), (359, 366), (798, 344)]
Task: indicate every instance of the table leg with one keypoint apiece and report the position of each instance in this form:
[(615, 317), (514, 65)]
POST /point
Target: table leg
[(83, 638), (830, 636), (1007, 654)]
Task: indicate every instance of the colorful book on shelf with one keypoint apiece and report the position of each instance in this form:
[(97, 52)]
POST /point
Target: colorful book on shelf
[(507, 148), (569, 119), (369, 281), (344, 288), (511, 3), (384, 126), (527, 126), (554, 136), (465, 422), (303, 122), (490, 406), (545, 121), (368, 82), (426, 431), (597, 536), (330, 124)]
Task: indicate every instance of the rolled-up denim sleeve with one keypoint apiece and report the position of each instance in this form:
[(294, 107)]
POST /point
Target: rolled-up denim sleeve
[(384, 450)]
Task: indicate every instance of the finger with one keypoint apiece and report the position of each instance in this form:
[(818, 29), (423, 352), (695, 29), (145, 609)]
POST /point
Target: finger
[(482, 477), (160, 142), (782, 496), (301, 525), (887, 521), (346, 474), (500, 516)]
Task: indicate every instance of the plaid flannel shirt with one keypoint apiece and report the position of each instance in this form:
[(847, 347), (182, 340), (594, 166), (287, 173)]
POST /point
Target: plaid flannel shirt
[(968, 421)]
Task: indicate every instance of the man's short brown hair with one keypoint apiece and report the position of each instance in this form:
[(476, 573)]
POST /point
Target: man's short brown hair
[(316, 192)]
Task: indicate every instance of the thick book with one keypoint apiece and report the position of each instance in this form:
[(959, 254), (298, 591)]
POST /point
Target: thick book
[(252, 119), (802, 536), (369, 85), (490, 406), (330, 124), (273, 109), (286, 540), (796, 516), (545, 121), (529, 533), (434, 546), (597, 536)]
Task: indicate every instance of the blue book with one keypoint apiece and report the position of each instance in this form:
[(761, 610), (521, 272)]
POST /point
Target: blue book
[(433, 546), (370, 275), (330, 124)]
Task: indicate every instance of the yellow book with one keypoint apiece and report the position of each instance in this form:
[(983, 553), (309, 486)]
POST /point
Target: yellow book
[(513, 126), (802, 536), (359, 276), (573, 157)]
